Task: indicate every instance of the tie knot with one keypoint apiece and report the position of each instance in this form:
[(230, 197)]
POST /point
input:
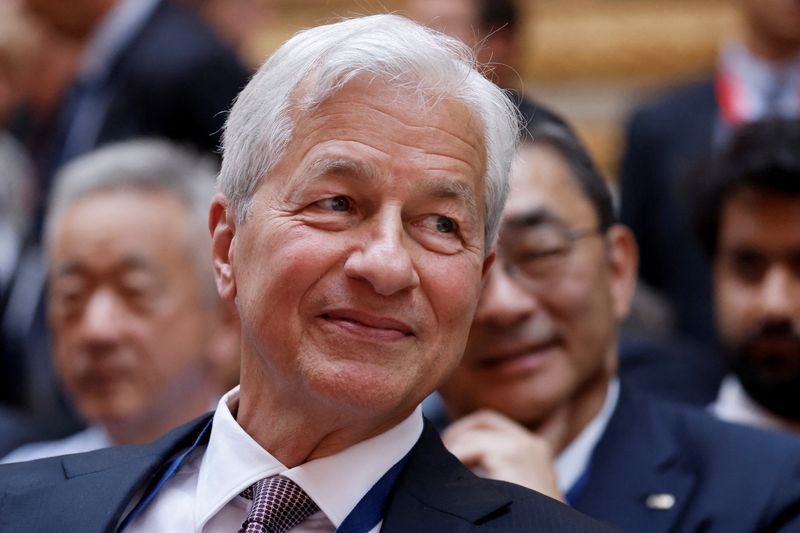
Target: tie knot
[(279, 504)]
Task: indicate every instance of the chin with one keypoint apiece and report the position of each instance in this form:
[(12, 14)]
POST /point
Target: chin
[(361, 386)]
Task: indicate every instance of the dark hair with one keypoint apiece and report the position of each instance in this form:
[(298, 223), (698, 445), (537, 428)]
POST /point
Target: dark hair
[(498, 15), (762, 155), (551, 130)]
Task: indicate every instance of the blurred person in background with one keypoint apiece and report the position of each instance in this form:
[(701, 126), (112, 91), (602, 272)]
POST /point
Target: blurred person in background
[(748, 220), (147, 68), (235, 21), (537, 399), (492, 29), (98, 71), (140, 336), (755, 77), (15, 204), (36, 65)]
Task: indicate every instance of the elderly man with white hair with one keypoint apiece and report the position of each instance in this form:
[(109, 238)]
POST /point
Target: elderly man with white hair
[(364, 173)]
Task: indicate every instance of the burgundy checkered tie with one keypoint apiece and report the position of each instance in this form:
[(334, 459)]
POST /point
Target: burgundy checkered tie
[(278, 505)]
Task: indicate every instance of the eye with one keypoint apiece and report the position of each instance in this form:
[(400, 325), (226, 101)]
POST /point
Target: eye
[(748, 266), (337, 203), (443, 224)]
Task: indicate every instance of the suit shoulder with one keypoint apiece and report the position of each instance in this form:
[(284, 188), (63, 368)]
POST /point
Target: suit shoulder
[(676, 106), (527, 503), (716, 445)]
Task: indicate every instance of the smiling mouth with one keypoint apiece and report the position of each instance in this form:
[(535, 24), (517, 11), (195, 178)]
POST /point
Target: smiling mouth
[(376, 328), (525, 357)]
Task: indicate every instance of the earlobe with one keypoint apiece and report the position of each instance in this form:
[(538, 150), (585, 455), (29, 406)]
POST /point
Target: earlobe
[(222, 224), (623, 256)]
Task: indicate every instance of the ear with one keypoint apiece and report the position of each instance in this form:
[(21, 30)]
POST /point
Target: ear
[(222, 224), (623, 257)]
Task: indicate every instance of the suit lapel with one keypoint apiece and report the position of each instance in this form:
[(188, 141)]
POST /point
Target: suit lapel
[(98, 485), (435, 492), (636, 479)]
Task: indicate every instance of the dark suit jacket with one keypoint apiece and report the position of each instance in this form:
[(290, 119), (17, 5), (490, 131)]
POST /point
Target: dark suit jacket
[(721, 478), (173, 79), (664, 141), (88, 492)]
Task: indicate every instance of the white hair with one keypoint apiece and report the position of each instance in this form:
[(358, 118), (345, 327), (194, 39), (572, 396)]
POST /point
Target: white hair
[(386, 47), (149, 166)]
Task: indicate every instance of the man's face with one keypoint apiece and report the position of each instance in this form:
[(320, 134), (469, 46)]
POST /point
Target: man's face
[(358, 268), (130, 325), (539, 342), (75, 19), (757, 290)]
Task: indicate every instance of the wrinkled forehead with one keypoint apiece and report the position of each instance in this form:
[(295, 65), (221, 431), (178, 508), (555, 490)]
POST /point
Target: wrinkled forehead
[(439, 123)]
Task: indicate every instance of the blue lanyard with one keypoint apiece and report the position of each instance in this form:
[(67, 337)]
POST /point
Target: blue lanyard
[(576, 490), (364, 516), (173, 467), (369, 511)]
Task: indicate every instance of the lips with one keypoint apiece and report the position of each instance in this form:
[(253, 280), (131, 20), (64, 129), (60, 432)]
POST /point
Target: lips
[(517, 354), (366, 324)]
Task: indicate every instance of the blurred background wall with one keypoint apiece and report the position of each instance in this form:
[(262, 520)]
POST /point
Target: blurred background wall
[(591, 60)]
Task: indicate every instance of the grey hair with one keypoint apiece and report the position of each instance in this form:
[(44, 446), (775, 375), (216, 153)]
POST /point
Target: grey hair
[(143, 165), (386, 47)]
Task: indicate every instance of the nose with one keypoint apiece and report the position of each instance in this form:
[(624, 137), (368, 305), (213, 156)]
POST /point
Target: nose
[(504, 303), (101, 321), (383, 260), (779, 293)]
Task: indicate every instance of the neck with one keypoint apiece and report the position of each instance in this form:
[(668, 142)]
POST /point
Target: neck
[(297, 430), (567, 422), (152, 424)]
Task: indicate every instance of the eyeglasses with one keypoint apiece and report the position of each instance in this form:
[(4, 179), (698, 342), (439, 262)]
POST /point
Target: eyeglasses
[(539, 253)]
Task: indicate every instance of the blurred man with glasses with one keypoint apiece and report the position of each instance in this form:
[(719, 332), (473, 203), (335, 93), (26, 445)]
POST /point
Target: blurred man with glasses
[(537, 401)]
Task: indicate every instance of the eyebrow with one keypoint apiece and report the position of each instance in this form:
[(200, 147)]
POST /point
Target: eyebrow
[(133, 262), (439, 188), (534, 217), (343, 167)]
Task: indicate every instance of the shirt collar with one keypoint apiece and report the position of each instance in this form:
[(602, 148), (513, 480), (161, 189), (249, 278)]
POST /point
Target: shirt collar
[(233, 461), (755, 77), (574, 460), (113, 33)]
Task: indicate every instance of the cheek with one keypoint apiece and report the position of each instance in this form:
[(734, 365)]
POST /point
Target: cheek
[(453, 289), (732, 306)]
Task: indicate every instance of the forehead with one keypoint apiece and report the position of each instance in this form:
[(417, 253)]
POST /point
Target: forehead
[(762, 218), (103, 227), (372, 121), (542, 181)]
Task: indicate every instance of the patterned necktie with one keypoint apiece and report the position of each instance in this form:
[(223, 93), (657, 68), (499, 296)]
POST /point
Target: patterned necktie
[(279, 504)]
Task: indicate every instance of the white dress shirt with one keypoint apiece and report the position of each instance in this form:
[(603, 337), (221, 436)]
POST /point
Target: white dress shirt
[(92, 438), (203, 495), (574, 460), (759, 84), (733, 404)]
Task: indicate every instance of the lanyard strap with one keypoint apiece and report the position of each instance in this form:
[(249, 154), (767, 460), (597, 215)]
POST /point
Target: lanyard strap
[(576, 490), (173, 467), (369, 510)]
